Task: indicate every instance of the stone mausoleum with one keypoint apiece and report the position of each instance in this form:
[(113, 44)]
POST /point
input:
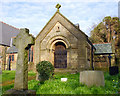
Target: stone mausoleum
[(64, 45)]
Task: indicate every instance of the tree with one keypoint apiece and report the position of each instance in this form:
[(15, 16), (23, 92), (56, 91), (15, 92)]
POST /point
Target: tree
[(117, 45), (105, 31), (98, 34)]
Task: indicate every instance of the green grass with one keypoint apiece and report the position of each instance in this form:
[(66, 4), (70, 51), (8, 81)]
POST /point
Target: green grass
[(5, 88), (10, 75), (72, 86)]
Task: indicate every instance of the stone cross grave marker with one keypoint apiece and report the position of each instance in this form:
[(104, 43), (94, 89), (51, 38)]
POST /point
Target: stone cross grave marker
[(22, 42)]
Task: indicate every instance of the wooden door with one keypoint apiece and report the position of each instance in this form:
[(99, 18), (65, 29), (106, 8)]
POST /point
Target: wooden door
[(60, 57)]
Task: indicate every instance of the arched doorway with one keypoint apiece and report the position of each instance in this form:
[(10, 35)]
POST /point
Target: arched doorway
[(60, 55)]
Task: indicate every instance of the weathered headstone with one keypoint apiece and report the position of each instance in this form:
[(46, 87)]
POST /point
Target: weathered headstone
[(91, 78), (23, 41)]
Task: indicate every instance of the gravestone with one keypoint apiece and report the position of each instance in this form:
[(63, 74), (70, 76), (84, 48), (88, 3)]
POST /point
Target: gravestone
[(23, 41), (113, 70), (91, 78)]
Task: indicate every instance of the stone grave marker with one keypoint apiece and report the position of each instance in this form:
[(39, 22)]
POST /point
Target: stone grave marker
[(23, 41), (91, 78)]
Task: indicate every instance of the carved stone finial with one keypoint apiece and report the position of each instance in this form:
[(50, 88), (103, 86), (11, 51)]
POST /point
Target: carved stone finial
[(58, 6)]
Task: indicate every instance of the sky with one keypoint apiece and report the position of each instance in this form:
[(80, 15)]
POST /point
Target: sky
[(34, 14)]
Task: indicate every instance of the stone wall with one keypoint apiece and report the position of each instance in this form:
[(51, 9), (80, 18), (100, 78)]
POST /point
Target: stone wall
[(30, 66), (3, 57), (102, 61)]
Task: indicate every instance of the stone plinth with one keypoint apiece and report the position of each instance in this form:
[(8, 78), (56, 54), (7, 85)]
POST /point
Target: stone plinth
[(91, 78), (13, 92)]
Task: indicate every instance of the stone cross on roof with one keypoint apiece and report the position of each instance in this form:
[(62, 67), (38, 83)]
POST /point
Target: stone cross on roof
[(58, 6)]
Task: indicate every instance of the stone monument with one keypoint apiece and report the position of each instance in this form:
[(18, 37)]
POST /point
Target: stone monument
[(23, 41), (92, 77)]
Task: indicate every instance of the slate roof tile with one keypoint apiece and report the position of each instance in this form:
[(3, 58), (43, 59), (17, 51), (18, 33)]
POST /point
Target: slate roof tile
[(105, 48)]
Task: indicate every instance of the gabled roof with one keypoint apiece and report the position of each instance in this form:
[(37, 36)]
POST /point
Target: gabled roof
[(57, 12), (6, 33), (105, 48), (12, 49)]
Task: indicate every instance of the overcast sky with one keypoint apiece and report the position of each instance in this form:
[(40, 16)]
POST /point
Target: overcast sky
[(36, 13)]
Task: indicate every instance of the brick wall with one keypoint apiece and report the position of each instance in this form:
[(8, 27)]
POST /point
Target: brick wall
[(102, 61)]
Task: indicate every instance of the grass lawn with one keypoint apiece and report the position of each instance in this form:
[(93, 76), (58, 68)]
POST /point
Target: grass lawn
[(8, 79), (10, 75), (72, 86)]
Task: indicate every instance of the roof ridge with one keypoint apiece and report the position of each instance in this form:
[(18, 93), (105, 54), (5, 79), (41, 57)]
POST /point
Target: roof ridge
[(102, 43), (10, 25)]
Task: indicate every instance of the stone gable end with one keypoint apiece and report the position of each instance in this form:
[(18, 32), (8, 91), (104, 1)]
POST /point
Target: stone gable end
[(62, 34), (59, 30)]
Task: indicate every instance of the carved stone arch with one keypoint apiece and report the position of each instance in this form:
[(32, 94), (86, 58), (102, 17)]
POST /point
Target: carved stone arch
[(56, 39), (51, 45)]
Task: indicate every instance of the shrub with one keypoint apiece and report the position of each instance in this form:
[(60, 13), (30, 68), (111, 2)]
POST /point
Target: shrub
[(45, 70)]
